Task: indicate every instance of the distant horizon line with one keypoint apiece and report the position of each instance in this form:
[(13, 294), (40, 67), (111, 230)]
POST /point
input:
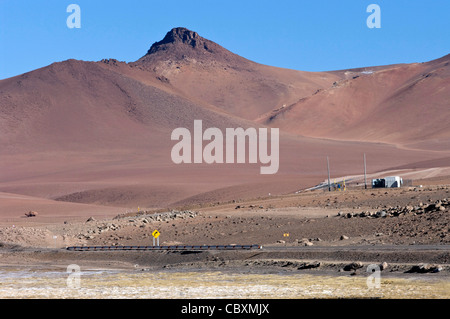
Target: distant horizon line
[(323, 71), (339, 69)]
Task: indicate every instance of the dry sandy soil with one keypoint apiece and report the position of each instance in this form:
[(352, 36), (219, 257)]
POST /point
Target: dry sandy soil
[(98, 133), (92, 139), (316, 222)]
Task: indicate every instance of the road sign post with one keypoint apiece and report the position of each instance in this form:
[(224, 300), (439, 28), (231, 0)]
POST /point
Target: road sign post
[(285, 235), (328, 168), (155, 235), (365, 172)]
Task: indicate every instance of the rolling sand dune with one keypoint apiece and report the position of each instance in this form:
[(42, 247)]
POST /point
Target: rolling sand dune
[(49, 211)]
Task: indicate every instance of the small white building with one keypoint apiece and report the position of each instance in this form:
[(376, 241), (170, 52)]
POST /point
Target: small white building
[(387, 182)]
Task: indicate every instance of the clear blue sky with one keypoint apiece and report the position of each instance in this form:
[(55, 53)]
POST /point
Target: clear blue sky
[(309, 35)]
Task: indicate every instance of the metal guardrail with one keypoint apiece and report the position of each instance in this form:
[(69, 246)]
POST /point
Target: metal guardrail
[(171, 247)]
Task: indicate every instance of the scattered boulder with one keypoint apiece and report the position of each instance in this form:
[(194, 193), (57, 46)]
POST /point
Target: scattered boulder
[(302, 241), (90, 219), (425, 268), (400, 211), (163, 79), (31, 214), (353, 266), (315, 264), (343, 237), (381, 214)]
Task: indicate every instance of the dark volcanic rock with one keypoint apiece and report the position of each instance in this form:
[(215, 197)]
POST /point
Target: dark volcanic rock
[(353, 266), (181, 35), (181, 44), (425, 268)]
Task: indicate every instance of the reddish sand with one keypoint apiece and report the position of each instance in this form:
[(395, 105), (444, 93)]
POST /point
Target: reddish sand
[(93, 138), (405, 105)]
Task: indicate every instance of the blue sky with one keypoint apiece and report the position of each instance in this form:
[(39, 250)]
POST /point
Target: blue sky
[(308, 35)]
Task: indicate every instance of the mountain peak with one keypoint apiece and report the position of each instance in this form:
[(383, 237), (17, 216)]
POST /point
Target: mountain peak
[(181, 44), (181, 36)]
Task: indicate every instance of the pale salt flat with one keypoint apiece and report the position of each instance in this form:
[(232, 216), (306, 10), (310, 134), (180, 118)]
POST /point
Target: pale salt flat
[(19, 283)]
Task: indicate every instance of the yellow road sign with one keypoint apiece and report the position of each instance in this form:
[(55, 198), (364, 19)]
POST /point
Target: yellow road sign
[(156, 233)]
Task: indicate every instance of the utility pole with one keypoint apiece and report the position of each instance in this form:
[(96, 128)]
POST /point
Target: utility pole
[(365, 172), (328, 168)]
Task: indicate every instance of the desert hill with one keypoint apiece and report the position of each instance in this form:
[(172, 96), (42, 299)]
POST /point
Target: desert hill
[(407, 105), (203, 69), (98, 133)]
